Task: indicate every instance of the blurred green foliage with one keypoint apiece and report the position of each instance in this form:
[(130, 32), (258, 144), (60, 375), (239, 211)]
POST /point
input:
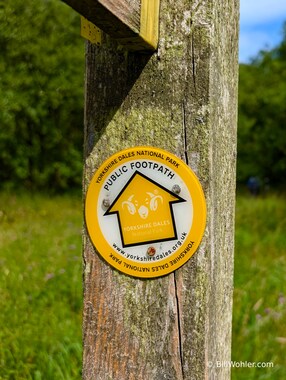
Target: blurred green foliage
[(259, 309), (41, 287), (262, 117), (41, 102)]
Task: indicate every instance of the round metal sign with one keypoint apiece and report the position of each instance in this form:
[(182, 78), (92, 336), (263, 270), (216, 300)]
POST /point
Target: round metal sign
[(145, 211)]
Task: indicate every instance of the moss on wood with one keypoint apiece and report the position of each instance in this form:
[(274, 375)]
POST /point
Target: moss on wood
[(183, 99)]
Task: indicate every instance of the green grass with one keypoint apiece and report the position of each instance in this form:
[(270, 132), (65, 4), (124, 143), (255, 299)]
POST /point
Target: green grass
[(41, 287), (259, 315)]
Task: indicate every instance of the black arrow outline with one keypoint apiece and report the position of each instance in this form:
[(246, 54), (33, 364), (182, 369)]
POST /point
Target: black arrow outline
[(117, 213)]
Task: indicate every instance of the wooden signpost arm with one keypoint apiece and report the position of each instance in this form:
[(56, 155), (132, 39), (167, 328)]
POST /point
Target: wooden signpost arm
[(133, 23), (182, 99)]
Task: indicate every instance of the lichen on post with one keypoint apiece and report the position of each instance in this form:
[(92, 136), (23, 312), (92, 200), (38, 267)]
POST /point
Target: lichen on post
[(182, 98)]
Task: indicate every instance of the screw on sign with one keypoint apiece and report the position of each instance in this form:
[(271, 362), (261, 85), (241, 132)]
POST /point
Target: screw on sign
[(151, 251), (176, 189), (135, 216), (106, 203)]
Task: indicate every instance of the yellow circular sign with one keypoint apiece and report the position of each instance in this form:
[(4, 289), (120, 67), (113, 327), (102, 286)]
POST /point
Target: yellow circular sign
[(145, 211)]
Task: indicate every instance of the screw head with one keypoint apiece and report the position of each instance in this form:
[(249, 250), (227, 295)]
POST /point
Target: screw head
[(176, 189), (151, 251), (106, 202)]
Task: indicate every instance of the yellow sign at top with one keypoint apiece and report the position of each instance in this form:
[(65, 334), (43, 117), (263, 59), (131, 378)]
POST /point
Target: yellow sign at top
[(145, 211)]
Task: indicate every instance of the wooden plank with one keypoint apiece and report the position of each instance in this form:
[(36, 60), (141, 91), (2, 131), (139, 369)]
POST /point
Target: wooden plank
[(118, 18), (133, 23)]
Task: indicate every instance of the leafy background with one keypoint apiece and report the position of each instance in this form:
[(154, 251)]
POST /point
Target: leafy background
[(262, 117), (41, 107), (41, 87)]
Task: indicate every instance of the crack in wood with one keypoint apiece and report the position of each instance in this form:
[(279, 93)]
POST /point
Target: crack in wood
[(185, 134), (180, 333)]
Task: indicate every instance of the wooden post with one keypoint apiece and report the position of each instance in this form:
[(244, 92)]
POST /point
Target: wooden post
[(183, 99)]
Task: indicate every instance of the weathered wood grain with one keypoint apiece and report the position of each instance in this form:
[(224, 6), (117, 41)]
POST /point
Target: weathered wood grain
[(118, 18), (183, 99), (133, 23)]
